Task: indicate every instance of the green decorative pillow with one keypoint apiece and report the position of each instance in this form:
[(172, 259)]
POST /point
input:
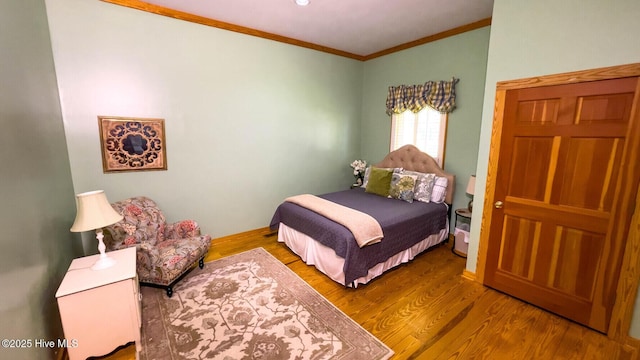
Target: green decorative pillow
[(379, 181), (368, 171)]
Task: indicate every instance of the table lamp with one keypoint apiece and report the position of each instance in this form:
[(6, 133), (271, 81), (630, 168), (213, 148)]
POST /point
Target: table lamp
[(94, 212), (471, 185)]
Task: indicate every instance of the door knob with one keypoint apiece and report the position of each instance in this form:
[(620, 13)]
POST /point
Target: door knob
[(498, 204)]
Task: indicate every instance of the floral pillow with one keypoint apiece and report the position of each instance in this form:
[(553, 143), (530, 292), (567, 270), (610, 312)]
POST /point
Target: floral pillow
[(402, 186), (424, 185)]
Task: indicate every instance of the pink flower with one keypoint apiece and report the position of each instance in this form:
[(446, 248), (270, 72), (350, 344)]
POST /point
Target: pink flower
[(187, 225), (130, 240), (174, 260), (129, 228), (133, 209)]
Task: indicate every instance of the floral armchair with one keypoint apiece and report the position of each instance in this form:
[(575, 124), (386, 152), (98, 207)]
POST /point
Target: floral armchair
[(164, 251)]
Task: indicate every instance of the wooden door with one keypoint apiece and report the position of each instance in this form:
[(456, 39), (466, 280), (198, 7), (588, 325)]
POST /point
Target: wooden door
[(556, 237)]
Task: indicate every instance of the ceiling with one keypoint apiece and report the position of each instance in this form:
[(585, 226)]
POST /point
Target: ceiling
[(355, 27)]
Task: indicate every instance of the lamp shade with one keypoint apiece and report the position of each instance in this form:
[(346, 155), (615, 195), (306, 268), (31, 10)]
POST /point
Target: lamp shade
[(94, 212), (471, 185)]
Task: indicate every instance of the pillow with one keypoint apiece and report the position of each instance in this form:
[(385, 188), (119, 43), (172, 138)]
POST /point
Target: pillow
[(402, 186), (379, 181), (368, 170), (424, 185), (439, 189)]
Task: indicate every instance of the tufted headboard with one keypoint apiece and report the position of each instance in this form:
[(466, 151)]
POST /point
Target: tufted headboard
[(411, 158)]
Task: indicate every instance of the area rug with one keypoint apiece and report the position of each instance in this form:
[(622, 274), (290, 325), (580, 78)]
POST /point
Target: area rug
[(249, 306)]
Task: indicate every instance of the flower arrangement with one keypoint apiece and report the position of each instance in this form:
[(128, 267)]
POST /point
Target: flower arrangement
[(359, 166)]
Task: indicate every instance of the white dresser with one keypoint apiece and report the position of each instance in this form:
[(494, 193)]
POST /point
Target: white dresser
[(100, 309)]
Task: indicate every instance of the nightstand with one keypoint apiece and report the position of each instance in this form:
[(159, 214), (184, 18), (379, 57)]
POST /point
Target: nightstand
[(461, 233), (100, 309)]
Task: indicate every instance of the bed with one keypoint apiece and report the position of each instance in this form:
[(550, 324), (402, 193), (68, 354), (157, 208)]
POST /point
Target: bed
[(408, 227)]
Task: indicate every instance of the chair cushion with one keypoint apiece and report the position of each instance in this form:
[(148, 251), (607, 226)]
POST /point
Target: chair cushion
[(171, 258)]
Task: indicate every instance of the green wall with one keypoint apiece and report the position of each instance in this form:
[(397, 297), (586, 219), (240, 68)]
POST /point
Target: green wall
[(38, 203), (462, 56), (248, 121), (531, 38)]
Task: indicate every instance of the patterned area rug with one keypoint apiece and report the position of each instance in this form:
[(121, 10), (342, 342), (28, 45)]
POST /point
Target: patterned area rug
[(249, 306)]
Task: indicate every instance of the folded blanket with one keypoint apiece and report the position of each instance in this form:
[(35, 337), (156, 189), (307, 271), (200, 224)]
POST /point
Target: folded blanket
[(366, 230)]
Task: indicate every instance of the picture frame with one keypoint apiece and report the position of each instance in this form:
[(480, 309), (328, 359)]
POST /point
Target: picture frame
[(132, 144)]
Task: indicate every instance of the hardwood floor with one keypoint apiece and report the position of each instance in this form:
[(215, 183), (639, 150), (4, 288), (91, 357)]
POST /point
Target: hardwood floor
[(427, 310)]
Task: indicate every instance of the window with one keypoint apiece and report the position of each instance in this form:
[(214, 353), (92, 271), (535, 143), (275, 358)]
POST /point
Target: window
[(425, 129)]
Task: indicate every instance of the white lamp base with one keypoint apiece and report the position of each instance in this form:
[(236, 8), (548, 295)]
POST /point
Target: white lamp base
[(104, 261)]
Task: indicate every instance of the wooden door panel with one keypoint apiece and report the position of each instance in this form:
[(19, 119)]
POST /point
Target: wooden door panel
[(604, 109), (564, 276), (519, 246), (585, 176), (555, 301), (551, 242), (530, 163), (537, 112), (574, 262), (561, 255)]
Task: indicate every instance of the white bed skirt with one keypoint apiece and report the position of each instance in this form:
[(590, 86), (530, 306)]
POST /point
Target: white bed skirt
[(326, 260)]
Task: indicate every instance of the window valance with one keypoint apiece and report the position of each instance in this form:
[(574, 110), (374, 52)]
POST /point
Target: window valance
[(438, 95)]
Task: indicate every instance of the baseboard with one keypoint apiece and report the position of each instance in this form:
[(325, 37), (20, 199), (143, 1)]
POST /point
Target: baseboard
[(264, 231), (632, 347), (268, 232), (469, 275)]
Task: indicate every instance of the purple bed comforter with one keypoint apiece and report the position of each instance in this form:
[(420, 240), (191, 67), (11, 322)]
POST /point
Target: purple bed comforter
[(403, 224)]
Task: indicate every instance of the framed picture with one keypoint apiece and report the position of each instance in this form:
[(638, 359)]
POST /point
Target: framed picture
[(132, 144)]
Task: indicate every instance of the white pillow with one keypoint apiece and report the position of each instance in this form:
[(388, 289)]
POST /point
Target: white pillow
[(439, 189)]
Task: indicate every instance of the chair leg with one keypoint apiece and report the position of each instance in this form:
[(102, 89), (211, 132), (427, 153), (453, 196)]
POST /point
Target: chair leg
[(201, 263), (169, 291)]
